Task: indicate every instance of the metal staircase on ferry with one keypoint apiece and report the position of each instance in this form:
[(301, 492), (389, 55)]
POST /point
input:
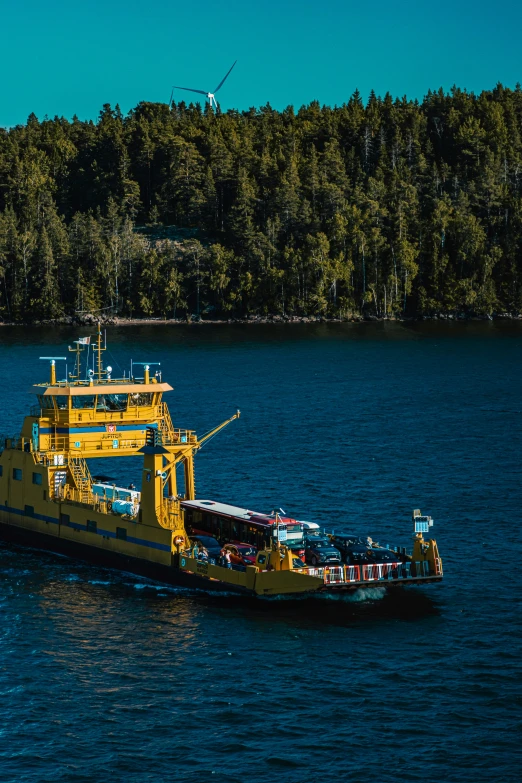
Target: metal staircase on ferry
[(166, 426), (82, 478)]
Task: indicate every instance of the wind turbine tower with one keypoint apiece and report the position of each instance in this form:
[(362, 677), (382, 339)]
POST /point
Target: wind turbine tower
[(210, 95)]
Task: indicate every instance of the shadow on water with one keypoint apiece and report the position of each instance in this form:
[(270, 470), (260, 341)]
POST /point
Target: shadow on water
[(43, 568), (316, 611)]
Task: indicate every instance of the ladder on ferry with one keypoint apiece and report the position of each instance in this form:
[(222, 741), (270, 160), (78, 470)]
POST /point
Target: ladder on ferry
[(82, 478)]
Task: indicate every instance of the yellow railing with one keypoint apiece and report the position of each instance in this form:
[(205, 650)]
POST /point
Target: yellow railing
[(66, 492), (133, 413), (173, 435), (105, 446)]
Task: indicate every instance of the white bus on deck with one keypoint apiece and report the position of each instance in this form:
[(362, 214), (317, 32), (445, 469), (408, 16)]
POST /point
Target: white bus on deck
[(232, 523)]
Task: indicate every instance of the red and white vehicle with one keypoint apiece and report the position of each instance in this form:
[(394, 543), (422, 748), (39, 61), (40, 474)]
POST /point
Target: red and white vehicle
[(233, 524)]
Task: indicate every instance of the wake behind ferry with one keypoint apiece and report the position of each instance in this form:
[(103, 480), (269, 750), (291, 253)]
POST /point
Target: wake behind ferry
[(49, 499)]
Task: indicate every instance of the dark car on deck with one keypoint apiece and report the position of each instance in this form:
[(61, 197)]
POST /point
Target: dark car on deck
[(313, 538), (381, 555), (345, 543), (320, 551), (212, 546), (357, 554)]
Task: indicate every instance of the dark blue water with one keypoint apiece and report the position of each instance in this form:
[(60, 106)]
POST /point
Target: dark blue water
[(107, 677)]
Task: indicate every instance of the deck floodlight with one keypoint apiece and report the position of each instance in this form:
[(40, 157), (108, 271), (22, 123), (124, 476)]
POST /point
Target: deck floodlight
[(146, 368)]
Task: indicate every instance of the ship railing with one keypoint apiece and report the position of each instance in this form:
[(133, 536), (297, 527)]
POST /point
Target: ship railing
[(98, 382), (334, 575), (176, 436), (352, 573), (421, 568), (65, 444), (376, 572), (313, 571), (373, 572), (86, 498)]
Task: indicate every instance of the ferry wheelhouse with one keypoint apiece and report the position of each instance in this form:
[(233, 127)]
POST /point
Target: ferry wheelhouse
[(49, 498)]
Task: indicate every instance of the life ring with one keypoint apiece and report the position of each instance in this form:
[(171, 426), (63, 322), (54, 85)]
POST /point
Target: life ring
[(179, 540), (109, 505)]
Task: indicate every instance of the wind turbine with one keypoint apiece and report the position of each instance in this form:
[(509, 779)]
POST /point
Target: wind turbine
[(210, 95)]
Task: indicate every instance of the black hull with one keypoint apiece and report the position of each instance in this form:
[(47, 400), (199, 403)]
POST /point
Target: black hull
[(170, 575)]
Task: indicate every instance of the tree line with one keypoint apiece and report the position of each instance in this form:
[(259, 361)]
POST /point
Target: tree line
[(387, 208)]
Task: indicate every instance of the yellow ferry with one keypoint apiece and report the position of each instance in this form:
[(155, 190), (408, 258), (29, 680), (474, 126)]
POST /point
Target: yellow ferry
[(49, 499)]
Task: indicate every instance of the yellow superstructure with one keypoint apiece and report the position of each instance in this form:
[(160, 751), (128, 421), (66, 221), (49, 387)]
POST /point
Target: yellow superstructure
[(48, 497)]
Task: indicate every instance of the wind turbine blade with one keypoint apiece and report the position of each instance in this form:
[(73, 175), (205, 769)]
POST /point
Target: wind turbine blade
[(221, 83), (189, 89), (171, 97)]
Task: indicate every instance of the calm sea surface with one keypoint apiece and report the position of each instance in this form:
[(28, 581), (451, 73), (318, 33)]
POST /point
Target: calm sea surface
[(106, 677)]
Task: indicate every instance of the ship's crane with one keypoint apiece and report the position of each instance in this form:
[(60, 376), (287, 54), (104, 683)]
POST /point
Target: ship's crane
[(217, 429), (186, 455)]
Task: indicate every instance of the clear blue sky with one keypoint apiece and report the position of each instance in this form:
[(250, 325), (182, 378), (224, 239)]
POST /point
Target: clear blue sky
[(71, 57)]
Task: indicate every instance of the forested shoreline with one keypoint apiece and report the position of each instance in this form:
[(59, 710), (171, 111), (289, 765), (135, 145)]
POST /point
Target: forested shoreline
[(389, 209)]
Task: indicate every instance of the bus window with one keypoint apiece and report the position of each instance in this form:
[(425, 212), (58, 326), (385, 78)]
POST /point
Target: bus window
[(215, 527), (226, 529)]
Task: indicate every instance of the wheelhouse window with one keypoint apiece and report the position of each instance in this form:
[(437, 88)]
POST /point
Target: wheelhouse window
[(62, 402), (141, 398), (46, 403), (82, 402), (111, 402)]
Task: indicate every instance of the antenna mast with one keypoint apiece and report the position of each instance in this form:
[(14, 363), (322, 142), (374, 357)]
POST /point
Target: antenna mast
[(77, 362), (99, 350)]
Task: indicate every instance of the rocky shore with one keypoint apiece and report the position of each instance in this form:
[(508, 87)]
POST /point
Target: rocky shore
[(106, 320)]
